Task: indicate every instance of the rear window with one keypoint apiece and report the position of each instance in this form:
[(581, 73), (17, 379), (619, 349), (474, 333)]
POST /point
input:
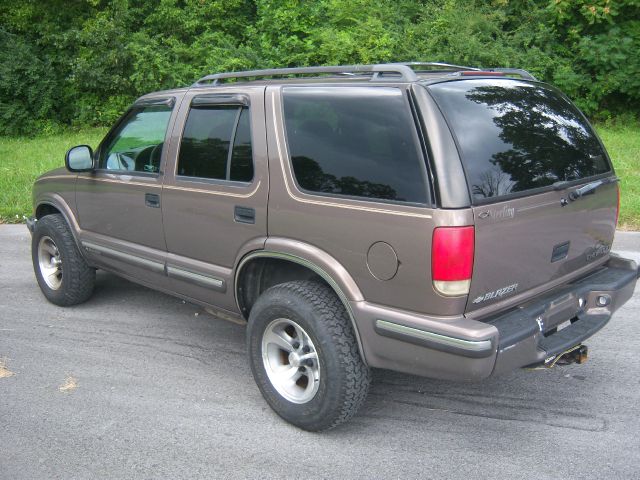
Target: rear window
[(515, 136), (354, 141)]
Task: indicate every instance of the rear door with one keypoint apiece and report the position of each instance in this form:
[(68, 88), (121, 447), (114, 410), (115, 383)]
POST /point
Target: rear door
[(543, 191), (214, 198)]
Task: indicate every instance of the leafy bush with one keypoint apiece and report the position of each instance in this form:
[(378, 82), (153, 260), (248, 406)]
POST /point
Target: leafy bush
[(82, 63)]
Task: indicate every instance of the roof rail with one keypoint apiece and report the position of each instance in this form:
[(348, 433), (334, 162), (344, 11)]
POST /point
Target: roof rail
[(401, 71), (448, 66), (437, 65), (514, 71), (404, 72)]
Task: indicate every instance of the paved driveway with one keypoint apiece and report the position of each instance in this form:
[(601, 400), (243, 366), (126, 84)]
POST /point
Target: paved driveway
[(138, 384)]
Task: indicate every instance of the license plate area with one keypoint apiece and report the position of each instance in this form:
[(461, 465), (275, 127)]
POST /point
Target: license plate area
[(560, 314), (559, 327)]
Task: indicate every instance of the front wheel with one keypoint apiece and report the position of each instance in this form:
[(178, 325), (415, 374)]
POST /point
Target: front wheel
[(304, 355), (62, 273)]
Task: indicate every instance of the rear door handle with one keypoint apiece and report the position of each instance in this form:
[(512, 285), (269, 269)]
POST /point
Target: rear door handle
[(244, 214), (152, 200)]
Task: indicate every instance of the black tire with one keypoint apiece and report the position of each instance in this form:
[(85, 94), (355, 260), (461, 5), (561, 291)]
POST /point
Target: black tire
[(77, 279), (343, 377)]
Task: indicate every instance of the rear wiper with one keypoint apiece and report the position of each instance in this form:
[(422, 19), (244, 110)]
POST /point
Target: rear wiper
[(590, 188)]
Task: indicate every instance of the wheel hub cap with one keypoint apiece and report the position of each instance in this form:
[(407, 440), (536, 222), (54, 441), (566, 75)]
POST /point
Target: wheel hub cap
[(294, 359), (291, 360), (50, 263)]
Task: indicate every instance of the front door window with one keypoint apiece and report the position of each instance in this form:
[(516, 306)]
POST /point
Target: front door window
[(136, 145)]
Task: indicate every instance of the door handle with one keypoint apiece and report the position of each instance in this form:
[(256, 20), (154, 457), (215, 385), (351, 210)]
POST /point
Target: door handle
[(152, 200), (244, 215)]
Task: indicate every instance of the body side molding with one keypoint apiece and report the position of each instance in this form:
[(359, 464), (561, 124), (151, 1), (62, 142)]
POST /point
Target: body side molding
[(137, 260), (207, 281)]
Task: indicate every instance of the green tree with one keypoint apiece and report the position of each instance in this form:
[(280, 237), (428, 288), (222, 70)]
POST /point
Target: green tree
[(82, 62)]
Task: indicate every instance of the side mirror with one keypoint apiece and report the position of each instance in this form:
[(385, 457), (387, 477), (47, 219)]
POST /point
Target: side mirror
[(79, 159)]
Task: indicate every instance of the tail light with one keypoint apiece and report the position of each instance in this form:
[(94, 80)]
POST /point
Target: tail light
[(618, 209), (452, 252)]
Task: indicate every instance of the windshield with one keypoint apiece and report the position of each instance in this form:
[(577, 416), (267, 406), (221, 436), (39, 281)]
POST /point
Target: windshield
[(516, 136)]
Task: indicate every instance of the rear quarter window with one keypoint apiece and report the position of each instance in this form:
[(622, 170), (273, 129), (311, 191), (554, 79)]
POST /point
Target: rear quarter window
[(516, 136), (354, 141)]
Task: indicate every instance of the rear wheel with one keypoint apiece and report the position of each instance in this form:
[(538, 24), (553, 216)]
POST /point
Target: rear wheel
[(62, 273), (304, 355)]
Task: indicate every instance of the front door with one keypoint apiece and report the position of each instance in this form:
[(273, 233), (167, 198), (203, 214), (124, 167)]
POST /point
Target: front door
[(119, 204), (215, 194)]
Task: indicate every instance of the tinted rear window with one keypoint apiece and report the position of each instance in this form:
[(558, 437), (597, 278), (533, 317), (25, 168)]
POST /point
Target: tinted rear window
[(515, 136), (354, 141)]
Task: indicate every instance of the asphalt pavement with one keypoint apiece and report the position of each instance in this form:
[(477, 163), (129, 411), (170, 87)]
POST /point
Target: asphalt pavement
[(138, 384)]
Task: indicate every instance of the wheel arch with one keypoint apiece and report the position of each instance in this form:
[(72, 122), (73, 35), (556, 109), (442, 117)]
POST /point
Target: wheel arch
[(294, 265), (54, 204)]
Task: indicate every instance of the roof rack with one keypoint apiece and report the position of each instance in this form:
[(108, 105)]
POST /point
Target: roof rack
[(496, 72), (402, 71), (435, 66), (515, 71), (387, 71), (397, 71), (460, 69)]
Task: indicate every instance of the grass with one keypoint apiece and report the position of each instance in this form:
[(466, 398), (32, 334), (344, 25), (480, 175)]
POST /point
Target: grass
[(623, 145), (23, 159)]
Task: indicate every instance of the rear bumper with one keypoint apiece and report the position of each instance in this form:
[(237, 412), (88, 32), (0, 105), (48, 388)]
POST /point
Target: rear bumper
[(530, 335), (458, 348)]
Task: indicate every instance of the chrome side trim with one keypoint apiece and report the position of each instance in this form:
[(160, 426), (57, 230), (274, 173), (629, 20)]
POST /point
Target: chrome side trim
[(54, 177), (312, 266), (122, 182), (125, 257), (212, 192), (198, 278), (467, 348)]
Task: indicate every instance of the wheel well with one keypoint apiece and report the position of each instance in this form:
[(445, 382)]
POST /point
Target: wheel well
[(260, 274), (45, 209)]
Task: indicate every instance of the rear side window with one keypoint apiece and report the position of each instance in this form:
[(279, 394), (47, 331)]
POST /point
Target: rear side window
[(216, 144), (516, 136), (354, 141)]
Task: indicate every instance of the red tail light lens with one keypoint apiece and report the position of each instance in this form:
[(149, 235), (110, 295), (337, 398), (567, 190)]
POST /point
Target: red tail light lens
[(452, 251)]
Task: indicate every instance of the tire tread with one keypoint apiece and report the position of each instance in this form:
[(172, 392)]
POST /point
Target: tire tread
[(334, 316)]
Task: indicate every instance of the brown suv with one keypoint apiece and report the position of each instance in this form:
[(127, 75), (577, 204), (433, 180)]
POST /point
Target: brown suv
[(426, 218)]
